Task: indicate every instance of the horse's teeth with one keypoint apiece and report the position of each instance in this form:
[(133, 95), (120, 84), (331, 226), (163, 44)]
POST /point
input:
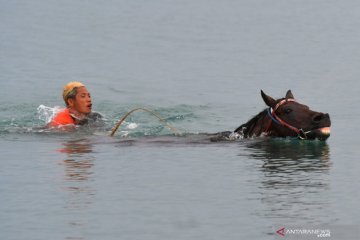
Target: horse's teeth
[(325, 130)]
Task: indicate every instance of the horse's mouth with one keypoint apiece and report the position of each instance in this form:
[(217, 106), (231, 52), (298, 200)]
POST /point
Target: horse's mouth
[(325, 130), (319, 133)]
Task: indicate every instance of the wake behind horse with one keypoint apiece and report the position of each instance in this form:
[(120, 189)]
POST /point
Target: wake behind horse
[(285, 117)]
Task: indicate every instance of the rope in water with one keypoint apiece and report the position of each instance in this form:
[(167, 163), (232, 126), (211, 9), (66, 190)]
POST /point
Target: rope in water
[(146, 110)]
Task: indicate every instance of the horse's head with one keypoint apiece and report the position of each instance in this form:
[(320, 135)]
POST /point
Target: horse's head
[(291, 118)]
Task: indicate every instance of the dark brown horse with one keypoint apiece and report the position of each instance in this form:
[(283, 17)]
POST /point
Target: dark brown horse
[(286, 117)]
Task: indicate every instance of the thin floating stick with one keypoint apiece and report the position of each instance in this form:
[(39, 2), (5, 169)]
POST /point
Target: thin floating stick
[(146, 110)]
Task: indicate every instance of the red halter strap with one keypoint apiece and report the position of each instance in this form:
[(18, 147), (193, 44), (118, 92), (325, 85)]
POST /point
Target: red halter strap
[(275, 118)]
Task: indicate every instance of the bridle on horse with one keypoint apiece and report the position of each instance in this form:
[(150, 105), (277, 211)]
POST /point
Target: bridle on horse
[(276, 119)]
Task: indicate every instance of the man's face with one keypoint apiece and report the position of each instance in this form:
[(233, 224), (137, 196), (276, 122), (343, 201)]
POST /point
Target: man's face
[(82, 102)]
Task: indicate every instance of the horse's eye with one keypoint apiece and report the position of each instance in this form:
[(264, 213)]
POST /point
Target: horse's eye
[(288, 110)]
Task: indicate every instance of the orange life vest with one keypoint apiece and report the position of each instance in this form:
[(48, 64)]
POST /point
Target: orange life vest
[(62, 118)]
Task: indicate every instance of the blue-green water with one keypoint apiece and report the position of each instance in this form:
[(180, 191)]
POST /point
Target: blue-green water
[(200, 65)]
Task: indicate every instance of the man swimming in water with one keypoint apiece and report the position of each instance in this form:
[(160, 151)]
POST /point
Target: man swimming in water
[(78, 106)]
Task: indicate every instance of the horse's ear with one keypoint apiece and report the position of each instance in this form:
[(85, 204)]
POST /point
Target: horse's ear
[(268, 100), (289, 95)]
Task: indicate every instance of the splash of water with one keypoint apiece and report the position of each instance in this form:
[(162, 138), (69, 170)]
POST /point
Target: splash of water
[(235, 136), (47, 113), (131, 126), (128, 126)]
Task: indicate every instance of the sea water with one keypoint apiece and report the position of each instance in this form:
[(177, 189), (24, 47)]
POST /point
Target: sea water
[(200, 65)]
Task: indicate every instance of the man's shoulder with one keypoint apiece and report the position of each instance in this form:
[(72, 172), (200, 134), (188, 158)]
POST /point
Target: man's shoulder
[(95, 116), (62, 118)]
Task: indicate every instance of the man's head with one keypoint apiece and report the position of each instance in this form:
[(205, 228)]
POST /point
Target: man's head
[(77, 97)]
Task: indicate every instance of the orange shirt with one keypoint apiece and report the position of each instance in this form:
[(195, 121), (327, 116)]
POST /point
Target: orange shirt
[(62, 118)]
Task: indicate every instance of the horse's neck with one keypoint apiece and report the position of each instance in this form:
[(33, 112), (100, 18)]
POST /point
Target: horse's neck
[(263, 125), (259, 124)]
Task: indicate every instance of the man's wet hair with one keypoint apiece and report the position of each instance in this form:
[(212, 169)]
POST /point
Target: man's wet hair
[(71, 95)]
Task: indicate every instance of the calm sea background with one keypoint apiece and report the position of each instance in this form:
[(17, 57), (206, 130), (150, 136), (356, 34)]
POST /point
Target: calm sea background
[(201, 65)]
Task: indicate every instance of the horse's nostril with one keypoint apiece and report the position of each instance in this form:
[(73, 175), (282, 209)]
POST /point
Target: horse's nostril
[(318, 117)]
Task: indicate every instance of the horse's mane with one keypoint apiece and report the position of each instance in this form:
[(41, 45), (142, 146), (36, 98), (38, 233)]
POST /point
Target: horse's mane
[(253, 126)]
